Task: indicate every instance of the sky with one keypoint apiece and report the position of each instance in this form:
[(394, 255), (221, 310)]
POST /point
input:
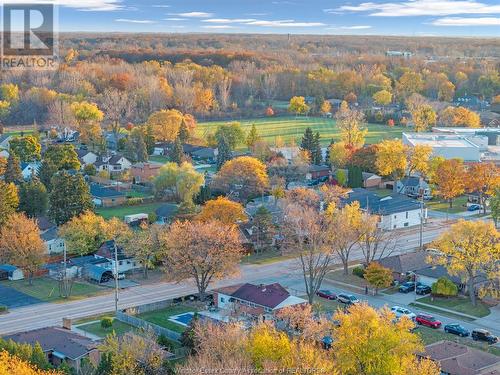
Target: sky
[(354, 17)]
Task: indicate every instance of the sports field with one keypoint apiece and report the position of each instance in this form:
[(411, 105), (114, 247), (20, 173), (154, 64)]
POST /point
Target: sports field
[(291, 129)]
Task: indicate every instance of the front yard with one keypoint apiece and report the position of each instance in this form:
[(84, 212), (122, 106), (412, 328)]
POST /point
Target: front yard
[(459, 205), (119, 328), (350, 279), (458, 304), (47, 289), (161, 317)]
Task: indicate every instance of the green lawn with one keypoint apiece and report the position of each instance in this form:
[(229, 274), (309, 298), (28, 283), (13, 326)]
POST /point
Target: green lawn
[(441, 312), (47, 289), (291, 129), (137, 194), (158, 158), (430, 336), (338, 275), (459, 304), (266, 257), (444, 206), (324, 305), (160, 317), (121, 211), (95, 328)]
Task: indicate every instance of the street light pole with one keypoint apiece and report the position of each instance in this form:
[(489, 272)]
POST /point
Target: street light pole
[(421, 242)]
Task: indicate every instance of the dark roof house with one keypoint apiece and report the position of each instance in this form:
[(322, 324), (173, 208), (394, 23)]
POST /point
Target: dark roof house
[(99, 191), (391, 204)]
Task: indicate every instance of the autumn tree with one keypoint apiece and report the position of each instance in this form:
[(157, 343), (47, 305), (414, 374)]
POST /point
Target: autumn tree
[(350, 122), (182, 182), (325, 108), (459, 117), (409, 83), (252, 137), (26, 148), (13, 171), (305, 236), (57, 158), (88, 117), (144, 246), (449, 179), (224, 210), (418, 160), (382, 97), (245, 174), (375, 242), (339, 155), (391, 158), (166, 124), (495, 206), (378, 276), (424, 117), (69, 197), (369, 341), (471, 251), (483, 179), (11, 364), (33, 198), (203, 251), (298, 106), (84, 233), (9, 201), (21, 245)]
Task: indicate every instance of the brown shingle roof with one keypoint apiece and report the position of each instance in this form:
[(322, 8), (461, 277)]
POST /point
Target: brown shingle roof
[(407, 262), (264, 295), (458, 359), (68, 343)]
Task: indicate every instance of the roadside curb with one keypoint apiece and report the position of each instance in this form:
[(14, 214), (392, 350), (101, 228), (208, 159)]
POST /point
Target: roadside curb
[(424, 305)]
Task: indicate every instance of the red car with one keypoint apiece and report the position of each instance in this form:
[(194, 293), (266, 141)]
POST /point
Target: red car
[(328, 294), (427, 320)]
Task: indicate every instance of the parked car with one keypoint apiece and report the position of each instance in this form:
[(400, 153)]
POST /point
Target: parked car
[(456, 329), (401, 311), (474, 207), (483, 335), (422, 290), (408, 286), (427, 320), (347, 299), (328, 294)]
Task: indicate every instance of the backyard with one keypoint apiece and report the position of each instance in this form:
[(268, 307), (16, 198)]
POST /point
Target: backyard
[(95, 328), (47, 289), (290, 128), (161, 317), (121, 211)]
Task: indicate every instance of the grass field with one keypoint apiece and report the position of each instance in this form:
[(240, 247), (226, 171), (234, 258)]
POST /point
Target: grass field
[(430, 336), (460, 305), (121, 211), (291, 129), (47, 289), (160, 317)]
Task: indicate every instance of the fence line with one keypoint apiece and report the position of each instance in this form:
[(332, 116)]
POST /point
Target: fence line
[(140, 323)]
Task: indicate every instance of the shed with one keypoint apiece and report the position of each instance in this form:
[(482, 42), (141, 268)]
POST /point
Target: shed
[(13, 273), (98, 274)]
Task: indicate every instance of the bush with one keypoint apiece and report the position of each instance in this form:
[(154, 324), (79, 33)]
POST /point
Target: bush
[(358, 271), (134, 201), (3, 309), (444, 287), (106, 322), (165, 342)]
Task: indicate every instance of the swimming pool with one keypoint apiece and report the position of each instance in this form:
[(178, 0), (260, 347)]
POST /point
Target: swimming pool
[(182, 319)]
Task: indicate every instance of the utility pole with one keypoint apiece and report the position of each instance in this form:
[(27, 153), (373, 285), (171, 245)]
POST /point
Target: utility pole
[(65, 274), (421, 247), (116, 276)]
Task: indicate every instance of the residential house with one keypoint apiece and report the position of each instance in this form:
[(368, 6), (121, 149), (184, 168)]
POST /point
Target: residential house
[(49, 235), (114, 164), (86, 157), (471, 102), (371, 180), (125, 262), (430, 274), (413, 186), (404, 265), (166, 213), (143, 172), (28, 170), (195, 152), (458, 359), (288, 152), (404, 54), (106, 197), (4, 141), (11, 272), (260, 302), (60, 345), (315, 172), (270, 203), (395, 211)]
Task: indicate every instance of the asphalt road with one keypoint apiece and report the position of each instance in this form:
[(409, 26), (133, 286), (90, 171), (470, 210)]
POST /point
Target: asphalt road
[(285, 272)]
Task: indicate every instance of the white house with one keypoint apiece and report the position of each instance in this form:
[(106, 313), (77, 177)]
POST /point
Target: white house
[(413, 186), (49, 235), (113, 164), (4, 141), (395, 211), (11, 272), (125, 262), (29, 170), (4, 154), (86, 157)]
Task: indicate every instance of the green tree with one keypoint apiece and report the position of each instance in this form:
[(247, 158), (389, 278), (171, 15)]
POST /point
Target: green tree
[(308, 142), (495, 206), (135, 146), (26, 148), (9, 92), (57, 158), (224, 154), (183, 182), (183, 134), (232, 133), (176, 153), (354, 176), (252, 137), (69, 197), (13, 169), (264, 228), (316, 155), (9, 201), (444, 287), (33, 198)]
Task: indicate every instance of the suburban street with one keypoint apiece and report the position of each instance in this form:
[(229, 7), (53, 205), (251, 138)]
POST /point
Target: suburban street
[(284, 272)]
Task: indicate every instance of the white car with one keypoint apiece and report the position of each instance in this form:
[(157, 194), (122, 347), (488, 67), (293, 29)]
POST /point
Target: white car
[(401, 311)]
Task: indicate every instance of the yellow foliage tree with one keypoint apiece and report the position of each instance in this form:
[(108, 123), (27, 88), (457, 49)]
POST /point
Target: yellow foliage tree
[(166, 124), (371, 342), (351, 125), (378, 276), (470, 249), (382, 97), (391, 159), (449, 179), (419, 158), (298, 105), (10, 365), (423, 116), (224, 210)]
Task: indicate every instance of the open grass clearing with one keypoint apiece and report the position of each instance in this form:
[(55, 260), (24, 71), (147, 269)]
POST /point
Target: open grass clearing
[(161, 317), (121, 211), (458, 304)]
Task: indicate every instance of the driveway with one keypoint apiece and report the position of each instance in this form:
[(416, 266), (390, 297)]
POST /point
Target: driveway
[(12, 298)]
